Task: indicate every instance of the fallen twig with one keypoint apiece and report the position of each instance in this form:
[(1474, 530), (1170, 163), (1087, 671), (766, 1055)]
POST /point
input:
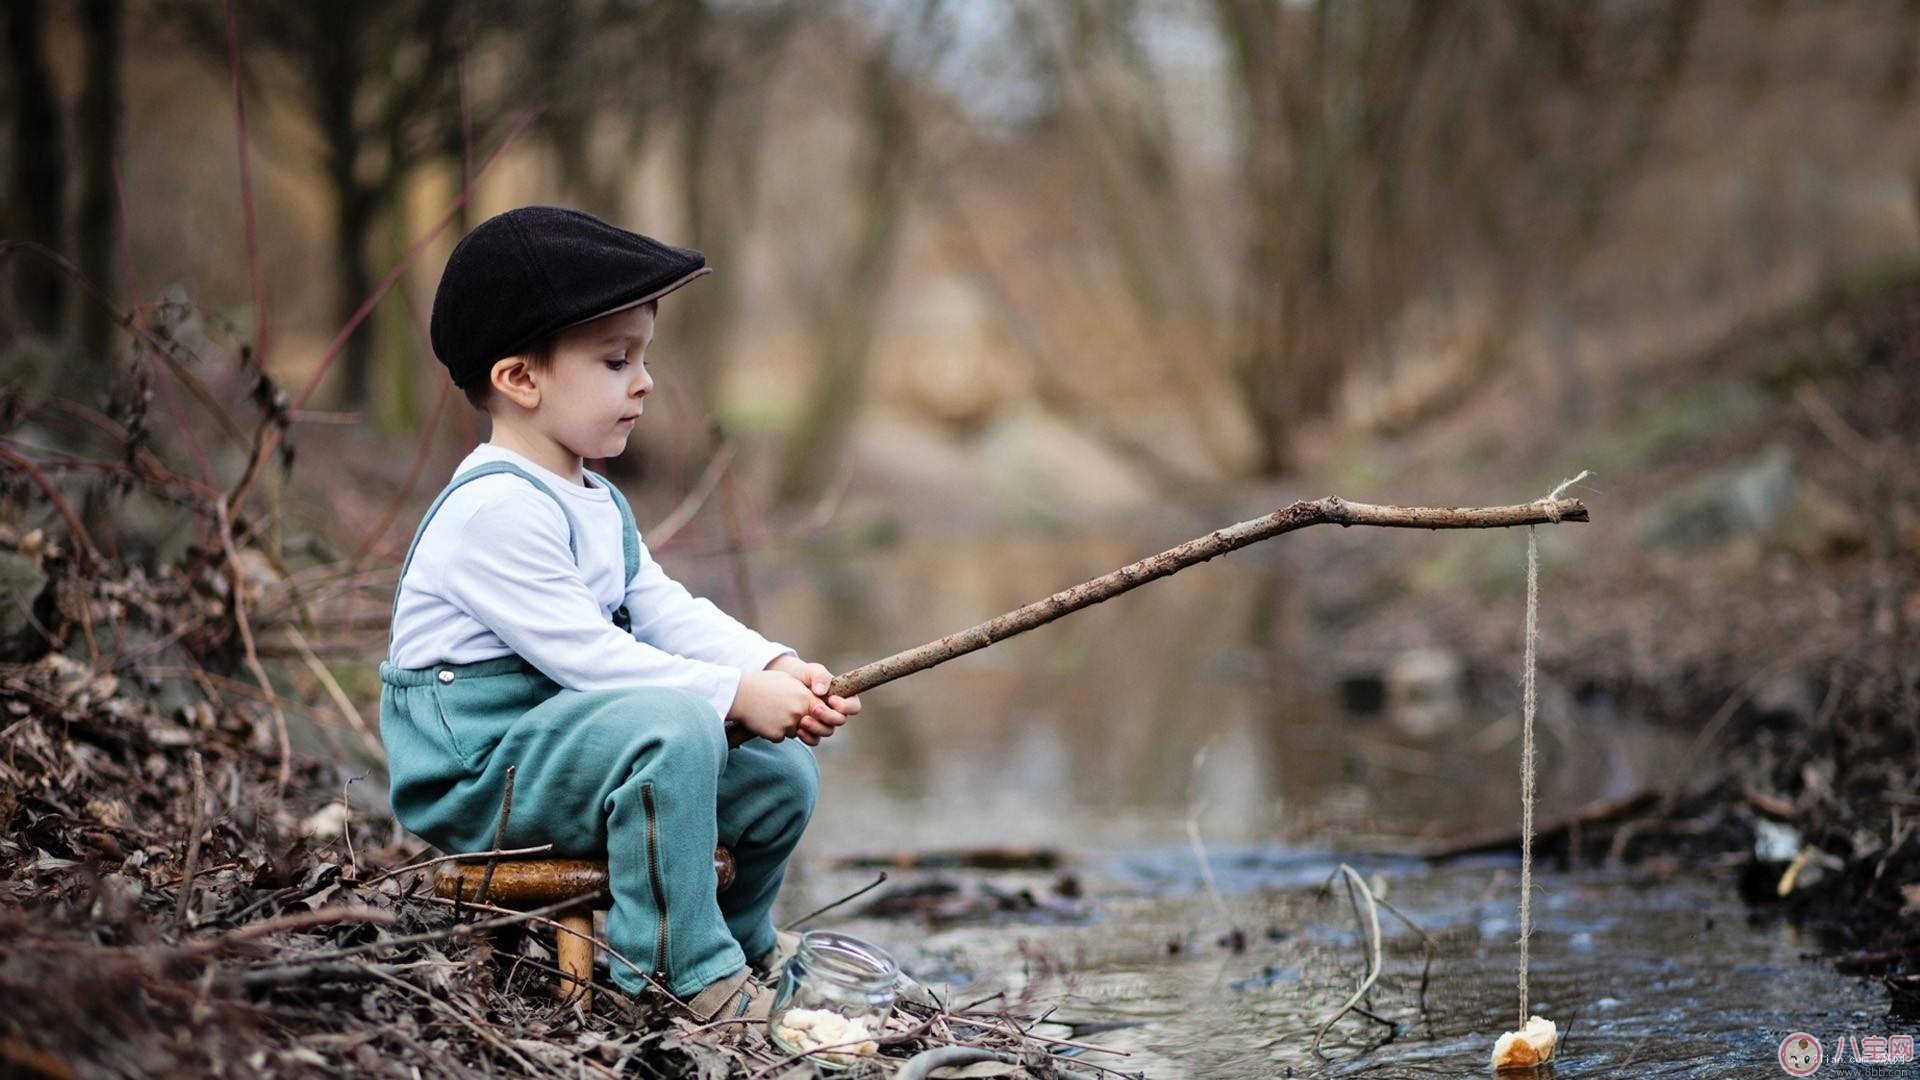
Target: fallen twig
[(465, 856), (1074, 1043), (459, 1014), (1003, 857), (663, 533), (305, 920), (803, 1055), (82, 541), (540, 916), (499, 834), (1604, 812), (1373, 969), (334, 692), (284, 772), (399, 500), (1427, 947), (736, 551), (854, 895), (1195, 803), (195, 824), (455, 930), (791, 531)]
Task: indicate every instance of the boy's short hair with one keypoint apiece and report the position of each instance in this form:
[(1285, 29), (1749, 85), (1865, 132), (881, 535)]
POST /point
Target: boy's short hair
[(539, 357)]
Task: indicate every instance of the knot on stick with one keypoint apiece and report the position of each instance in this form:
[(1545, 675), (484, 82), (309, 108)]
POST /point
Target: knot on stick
[(1552, 500)]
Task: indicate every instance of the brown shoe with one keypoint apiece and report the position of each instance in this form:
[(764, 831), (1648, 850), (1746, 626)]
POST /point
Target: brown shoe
[(768, 964), (733, 997)]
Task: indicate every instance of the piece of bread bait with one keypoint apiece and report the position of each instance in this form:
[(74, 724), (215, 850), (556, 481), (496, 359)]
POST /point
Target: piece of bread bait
[(810, 1029), (1531, 1045)]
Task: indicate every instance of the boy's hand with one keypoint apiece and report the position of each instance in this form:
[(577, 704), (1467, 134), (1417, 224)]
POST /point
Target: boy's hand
[(819, 680), (774, 705)]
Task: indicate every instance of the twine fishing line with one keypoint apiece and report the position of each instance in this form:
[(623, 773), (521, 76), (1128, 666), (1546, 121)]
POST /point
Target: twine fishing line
[(1529, 702)]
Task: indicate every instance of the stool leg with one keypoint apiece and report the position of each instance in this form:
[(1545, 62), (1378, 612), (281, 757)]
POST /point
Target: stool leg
[(576, 959)]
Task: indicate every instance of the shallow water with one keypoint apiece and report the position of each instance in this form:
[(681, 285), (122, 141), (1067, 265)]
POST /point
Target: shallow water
[(1205, 709), (1646, 976)]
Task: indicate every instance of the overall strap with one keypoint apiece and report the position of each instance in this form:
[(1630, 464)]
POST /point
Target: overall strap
[(629, 547), (488, 469), (630, 533)]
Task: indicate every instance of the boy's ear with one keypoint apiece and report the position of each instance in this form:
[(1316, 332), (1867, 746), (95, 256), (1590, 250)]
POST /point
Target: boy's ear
[(513, 379)]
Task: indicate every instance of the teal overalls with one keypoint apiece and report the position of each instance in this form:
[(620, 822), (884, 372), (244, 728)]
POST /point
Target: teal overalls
[(642, 775)]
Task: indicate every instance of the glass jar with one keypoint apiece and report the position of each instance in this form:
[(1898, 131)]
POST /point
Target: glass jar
[(836, 991)]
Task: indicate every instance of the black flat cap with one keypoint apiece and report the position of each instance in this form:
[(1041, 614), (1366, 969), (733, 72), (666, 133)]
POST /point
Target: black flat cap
[(522, 275)]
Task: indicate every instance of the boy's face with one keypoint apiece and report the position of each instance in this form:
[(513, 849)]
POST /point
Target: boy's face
[(590, 396)]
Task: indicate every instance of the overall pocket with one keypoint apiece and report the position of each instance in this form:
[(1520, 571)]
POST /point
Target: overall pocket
[(475, 710), (418, 741)]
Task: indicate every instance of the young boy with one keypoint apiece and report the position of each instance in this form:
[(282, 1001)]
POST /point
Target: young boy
[(532, 629)]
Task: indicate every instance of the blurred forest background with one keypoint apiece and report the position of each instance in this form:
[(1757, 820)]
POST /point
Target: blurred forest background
[(1207, 238)]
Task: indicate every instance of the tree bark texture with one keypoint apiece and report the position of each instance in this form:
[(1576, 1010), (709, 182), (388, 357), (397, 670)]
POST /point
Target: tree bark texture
[(35, 205), (98, 221)]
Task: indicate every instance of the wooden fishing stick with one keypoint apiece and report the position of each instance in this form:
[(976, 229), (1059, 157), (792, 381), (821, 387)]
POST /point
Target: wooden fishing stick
[(1331, 510)]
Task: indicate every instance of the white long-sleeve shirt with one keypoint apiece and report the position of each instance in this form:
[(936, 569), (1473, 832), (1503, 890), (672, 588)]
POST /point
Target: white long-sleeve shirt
[(493, 576)]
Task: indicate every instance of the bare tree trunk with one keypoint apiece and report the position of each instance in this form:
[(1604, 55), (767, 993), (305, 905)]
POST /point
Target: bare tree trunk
[(1126, 137), (36, 204), (398, 407), (354, 217), (339, 77), (724, 96), (706, 312), (381, 81), (600, 186), (98, 223), (1264, 305), (846, 326)]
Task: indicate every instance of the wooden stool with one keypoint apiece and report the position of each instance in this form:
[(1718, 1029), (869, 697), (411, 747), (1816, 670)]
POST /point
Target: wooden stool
[(529, 884)]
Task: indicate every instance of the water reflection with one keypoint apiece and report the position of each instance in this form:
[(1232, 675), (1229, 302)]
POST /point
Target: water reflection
[(1085, 733)]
